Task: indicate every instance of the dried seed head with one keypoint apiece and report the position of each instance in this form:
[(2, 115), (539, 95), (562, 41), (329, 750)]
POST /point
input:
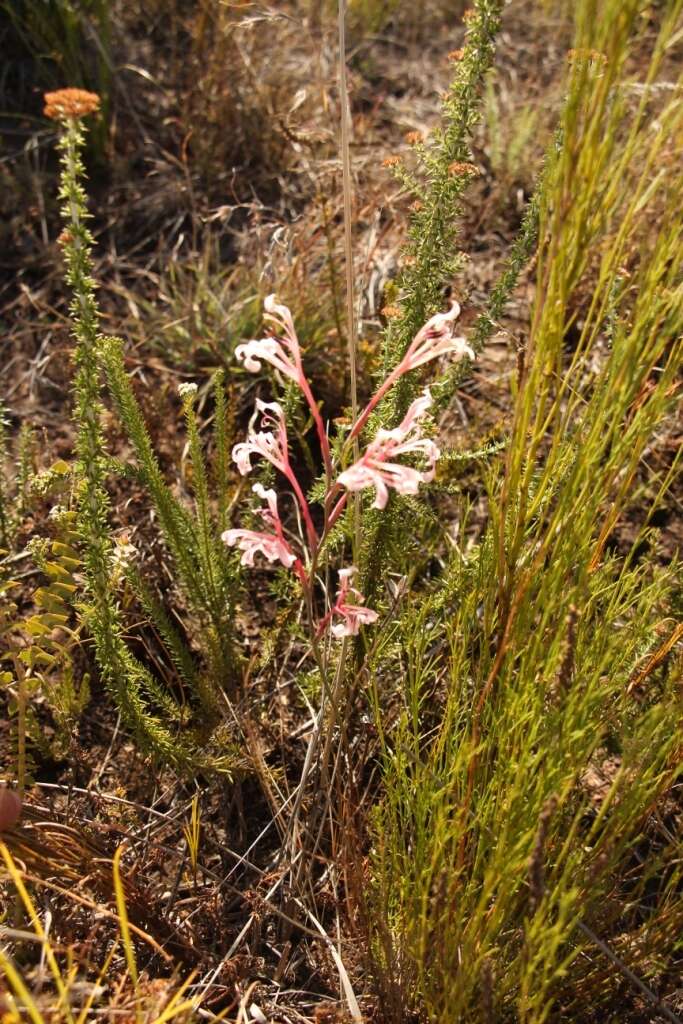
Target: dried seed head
[(65, 237), (537, 858), (594, 56), (487, 982), (70, 103)]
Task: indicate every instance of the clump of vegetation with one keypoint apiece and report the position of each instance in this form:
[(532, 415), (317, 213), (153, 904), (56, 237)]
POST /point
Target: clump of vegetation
[(399, 740)]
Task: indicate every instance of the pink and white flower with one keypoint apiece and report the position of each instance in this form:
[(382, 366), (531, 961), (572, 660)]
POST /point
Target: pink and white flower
[(250, 542), (271, 444), (436, 339), (431, 341), (272, 546), (282, 351), (376, 467), (353, 615)]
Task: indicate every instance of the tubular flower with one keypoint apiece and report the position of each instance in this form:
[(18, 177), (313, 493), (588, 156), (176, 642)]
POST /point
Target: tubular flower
[(376, 467), (436, 339), (281, 351), (272, 445), (272, 546), (353, 615)]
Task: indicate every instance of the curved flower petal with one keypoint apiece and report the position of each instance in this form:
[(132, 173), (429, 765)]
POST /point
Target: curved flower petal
[(270, 497), (269, 350), (272, 412), (271, 446), (376, 467), (282, 351), (417, 411), (353, 615), (436, 339), (279, 315), (250, 542)]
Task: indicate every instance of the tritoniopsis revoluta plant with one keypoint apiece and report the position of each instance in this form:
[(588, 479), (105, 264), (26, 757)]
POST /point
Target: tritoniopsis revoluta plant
[(382, 465)]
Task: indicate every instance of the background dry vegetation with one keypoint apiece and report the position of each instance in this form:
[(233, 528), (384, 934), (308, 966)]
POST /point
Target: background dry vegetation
[(214, 178)]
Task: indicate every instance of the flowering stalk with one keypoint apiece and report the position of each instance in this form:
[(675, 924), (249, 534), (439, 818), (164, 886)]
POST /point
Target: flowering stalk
[(353, 615), (274, 448), (376, 467), (283, 352), (430, 342), (126, 679)]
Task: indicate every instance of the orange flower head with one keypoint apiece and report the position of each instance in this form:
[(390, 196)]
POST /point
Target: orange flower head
[(412, 138), (455, 55), (391, 161), (390, 311), (458, 168), (592, 56), (70, 103)]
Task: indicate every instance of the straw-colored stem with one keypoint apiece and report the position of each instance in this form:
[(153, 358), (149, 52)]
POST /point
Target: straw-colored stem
[(348, 248)]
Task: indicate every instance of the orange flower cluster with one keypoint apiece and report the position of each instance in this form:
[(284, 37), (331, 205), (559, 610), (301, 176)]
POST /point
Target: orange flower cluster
[(70, 103), (412, 138), (458, 167), (455, 55), (390, 311), (391, 161)]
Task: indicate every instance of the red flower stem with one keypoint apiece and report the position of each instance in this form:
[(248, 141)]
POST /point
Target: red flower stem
[(323, 623), (320, 426), (301, 572), (336, 512), (306, 512), (375, 400)]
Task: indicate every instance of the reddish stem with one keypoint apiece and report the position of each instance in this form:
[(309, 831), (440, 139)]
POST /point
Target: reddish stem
[(319, 425), (336, 512), (376, 399), (301, 572), (305, 511)]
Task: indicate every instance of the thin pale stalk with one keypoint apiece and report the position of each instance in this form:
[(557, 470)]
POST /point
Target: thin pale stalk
[(348, 247)]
